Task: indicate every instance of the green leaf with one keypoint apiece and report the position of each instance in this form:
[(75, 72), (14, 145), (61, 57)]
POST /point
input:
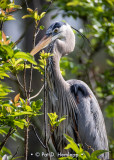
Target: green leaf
[(72, 144), (17, 135), (3, 4), (6, 51), (22, 101), (36, 16), (98, 153), (20, 123), (42, 27), (27, 16), (110, 63), (28, 108), (3, 130), (4, 90), (9, 18), (18, 62), (25, 56), (3, 74), (60, 120), (110, 110), (30, 10), (12, 5), (87, 155), (6, 150), (39, 103), (36, 106), (53, 119), (111, 2), (16, 114), (42, 15), (74, 3)]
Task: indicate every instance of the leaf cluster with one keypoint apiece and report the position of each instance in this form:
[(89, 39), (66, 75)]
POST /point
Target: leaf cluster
[(6, 8), (54, 121), (80, 153), (43, 61), (34, 14), (13, 113)]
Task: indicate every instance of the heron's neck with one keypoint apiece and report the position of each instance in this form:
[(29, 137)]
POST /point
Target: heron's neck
[(54, 73)]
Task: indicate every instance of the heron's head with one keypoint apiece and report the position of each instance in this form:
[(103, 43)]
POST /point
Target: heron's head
[(61, 36)]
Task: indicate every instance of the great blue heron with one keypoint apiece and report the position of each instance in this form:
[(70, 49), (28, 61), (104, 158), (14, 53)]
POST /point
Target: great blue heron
[(85, 122)]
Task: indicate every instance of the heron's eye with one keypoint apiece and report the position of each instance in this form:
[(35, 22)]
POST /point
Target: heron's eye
[(56, 30)]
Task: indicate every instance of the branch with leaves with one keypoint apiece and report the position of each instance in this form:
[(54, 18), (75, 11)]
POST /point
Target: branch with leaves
[(17, 113), (79, 152), (12, 61)]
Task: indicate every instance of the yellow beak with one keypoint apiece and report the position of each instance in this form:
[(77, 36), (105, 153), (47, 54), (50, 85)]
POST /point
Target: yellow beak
[(42, 44)]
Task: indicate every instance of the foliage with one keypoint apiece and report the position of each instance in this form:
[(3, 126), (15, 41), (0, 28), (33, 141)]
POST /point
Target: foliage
[(18, 112), (7, 7), (79, 152), (54, 121), (43, 61), (36, 17), (111, 146), (34, 14), (13, 112)]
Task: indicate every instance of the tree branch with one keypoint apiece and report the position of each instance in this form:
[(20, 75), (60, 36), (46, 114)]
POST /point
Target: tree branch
[(38, 136), (36, 94), (19, 81), (25, 79), (26, 140), (15, 153), (10, 132), (45, 115), (29, 91)]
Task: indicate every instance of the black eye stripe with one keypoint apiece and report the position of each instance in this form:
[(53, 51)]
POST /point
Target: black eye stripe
[(53, 26), (58, 25)]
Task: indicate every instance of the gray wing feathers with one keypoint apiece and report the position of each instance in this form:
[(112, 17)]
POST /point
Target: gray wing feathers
[(91, 126)]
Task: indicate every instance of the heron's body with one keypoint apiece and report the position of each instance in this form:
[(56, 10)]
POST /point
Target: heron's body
[(84, 122)]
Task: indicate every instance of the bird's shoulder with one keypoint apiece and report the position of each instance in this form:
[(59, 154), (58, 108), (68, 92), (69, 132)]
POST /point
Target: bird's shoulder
[(77, 86)]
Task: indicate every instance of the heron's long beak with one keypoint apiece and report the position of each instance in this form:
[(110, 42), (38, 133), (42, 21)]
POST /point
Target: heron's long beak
[(42, 44)]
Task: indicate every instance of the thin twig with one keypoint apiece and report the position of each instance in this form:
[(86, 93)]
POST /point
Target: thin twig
[(38, 136), (36, 94), (45, 115), (15, 153), (25, 79), (26, 128), (19, 81), (31, 70), (45, 109), (26, 3), (26, 141), (23, 34), (20, 38), (49, 5), (30, 83), (10, 132), (37, 32), (29, 91)]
